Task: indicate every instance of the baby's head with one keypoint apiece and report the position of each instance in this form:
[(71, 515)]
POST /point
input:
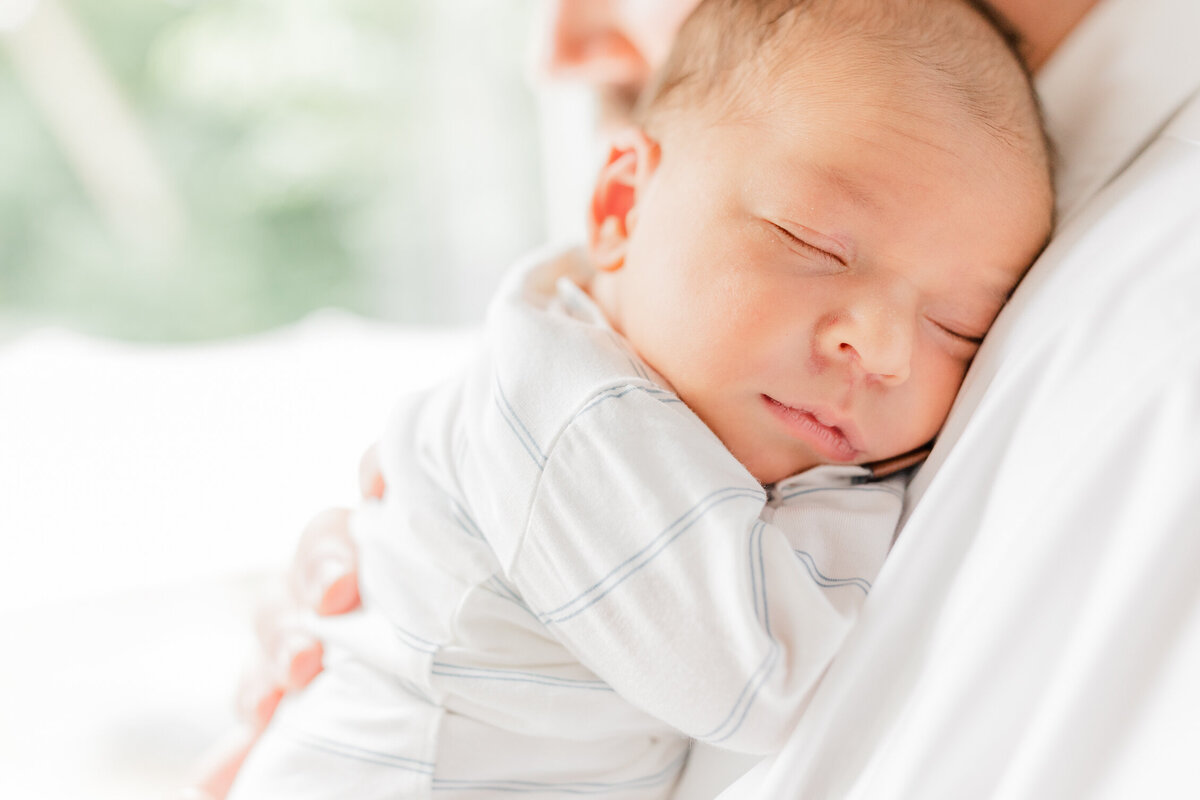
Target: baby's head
[(825, 206)]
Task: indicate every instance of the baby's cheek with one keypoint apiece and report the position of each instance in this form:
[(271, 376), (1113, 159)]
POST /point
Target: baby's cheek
[(938, 397)]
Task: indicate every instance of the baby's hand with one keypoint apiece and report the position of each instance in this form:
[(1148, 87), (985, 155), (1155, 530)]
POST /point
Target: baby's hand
[(323, 577)]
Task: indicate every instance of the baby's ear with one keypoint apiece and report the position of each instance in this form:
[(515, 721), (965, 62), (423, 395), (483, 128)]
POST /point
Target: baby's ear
[(632, 159)]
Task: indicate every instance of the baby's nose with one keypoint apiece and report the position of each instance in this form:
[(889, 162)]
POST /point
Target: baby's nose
[(874, 339)]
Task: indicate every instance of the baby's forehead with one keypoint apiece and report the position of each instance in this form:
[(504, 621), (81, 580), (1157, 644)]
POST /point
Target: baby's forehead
[(734, 57), (885, 189)]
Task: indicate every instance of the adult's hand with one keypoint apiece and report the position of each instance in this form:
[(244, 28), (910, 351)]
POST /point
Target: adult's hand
[(324, 578)]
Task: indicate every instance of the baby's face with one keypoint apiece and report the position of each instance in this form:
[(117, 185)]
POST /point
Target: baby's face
[(815, 292)]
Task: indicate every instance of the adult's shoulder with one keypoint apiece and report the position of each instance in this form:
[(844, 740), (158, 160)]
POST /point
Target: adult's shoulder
[(1113, 85)]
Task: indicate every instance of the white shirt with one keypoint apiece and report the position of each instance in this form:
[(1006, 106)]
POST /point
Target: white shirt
[(568, 577), (1035, 632)]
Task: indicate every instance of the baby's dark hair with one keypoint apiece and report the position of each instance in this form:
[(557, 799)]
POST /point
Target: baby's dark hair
[(960, 51)]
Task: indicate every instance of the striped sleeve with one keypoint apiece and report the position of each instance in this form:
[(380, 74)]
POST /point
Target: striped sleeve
[(653, 556)]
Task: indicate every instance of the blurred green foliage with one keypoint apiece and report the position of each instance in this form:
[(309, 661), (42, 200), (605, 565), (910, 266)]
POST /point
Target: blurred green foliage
[(321, 153)]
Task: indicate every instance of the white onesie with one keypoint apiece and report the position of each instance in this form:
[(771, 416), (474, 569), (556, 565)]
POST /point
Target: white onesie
[(568, 578)]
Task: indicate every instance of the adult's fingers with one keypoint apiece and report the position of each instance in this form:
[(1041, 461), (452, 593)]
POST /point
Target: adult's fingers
[(264, 681), (324, 573), (370, 477), (323, 578), (218, 768)]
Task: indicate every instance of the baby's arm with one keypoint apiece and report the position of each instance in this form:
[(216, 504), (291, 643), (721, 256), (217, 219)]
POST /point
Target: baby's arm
[(651, 554)]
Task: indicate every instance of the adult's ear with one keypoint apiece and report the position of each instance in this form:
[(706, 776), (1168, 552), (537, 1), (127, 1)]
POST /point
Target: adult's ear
[(632, 158)]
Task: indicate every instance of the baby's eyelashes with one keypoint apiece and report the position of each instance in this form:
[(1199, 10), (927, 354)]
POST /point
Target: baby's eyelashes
[(957, 337), (804, 244)]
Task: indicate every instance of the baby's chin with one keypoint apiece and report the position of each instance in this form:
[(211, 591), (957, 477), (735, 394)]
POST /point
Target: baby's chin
[(772, 469)]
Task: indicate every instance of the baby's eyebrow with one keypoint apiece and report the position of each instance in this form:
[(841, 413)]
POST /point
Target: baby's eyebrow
[(990, 296), (859, 193), (1000, 293)]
